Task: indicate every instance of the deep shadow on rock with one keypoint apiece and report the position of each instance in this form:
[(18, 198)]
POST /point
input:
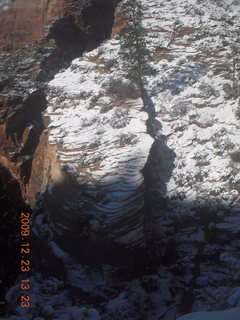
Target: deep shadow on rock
[(12, 205), (178, 244)]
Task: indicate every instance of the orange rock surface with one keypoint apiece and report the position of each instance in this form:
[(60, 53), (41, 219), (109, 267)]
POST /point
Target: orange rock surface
[(23, 23)]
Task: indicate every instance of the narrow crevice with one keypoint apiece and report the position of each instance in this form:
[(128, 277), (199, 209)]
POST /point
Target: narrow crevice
[(157, 172)]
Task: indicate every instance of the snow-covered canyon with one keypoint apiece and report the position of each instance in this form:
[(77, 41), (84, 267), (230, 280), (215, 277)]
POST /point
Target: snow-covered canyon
[(115, 196)]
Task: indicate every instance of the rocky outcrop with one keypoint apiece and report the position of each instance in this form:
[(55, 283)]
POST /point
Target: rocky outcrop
[(190, 212), (30, 57), (118, 179), (36, 40), (106, 146), (24, 22), (20, 130)]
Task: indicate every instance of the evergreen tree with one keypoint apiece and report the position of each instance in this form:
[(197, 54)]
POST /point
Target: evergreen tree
[(133, 46)]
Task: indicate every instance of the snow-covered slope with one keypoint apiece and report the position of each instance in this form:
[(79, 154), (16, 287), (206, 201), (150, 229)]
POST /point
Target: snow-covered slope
[(101, 138), (190, 96), (175, 191), (100, 132)]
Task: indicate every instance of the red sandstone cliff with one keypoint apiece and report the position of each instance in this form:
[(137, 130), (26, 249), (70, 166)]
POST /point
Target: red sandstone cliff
[(23, 23)]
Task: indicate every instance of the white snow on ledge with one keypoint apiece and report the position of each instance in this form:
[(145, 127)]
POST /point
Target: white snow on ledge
[(231, 314)]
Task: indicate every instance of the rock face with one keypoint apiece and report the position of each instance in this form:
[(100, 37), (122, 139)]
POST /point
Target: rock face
[(124, 190), (30, 57), (23, 21), (192, 108), (104, 149), (36, 40)]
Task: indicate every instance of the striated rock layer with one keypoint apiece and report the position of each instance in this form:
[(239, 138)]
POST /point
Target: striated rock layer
[(101, 140), (186, 157), (118, 179), (44, 36), (195, 113), (37, 38)]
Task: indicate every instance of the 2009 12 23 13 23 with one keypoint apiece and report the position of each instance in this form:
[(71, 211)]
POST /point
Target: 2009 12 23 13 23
[(25, 260)]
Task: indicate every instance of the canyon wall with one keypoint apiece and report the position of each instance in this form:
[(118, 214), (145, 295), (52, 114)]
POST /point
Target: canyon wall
[(135, 215), (36, 40)]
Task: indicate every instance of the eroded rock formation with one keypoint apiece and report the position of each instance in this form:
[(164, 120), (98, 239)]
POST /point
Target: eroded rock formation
[(43, 37), (117, 180), (37, 38)]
